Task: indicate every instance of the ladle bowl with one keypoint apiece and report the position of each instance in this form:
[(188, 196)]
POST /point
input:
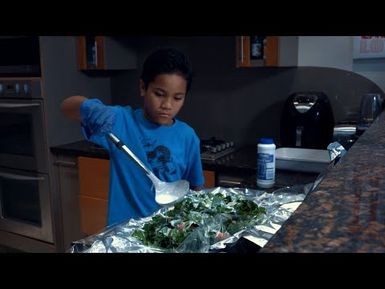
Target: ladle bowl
[(166, 193), (170, 193)]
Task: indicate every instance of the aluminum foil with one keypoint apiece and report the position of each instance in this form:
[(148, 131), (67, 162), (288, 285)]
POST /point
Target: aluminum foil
[(336, 151), (279, 205)]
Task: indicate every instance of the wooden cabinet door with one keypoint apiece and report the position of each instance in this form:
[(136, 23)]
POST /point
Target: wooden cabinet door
[(269, 50), (90, 51), (209, 179), (93, 214), (94, 175), (94, 186), (67, 176), (104, 53)]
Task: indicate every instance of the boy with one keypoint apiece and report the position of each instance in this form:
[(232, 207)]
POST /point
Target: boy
[(167, 146)]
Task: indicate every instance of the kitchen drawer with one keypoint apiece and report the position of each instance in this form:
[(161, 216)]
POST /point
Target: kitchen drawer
[(93, 214)]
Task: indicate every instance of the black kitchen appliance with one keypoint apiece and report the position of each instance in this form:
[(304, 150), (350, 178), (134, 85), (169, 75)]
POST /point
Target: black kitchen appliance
[(307, 121), (20, 56)]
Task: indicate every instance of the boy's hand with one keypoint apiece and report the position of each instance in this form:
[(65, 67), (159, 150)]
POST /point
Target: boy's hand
[(98, 117)]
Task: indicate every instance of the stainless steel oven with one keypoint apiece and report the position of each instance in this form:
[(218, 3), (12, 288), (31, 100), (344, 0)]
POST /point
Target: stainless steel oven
[(25, 204), (22, 141)]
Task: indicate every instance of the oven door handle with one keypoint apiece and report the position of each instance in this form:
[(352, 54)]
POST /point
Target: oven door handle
[(18, 105), (20, 178)]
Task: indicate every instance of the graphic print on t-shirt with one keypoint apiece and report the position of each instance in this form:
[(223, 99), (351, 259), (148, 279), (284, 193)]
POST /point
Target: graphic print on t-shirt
[(159, 157)]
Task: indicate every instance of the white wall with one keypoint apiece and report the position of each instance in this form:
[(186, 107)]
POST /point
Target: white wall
[(373, 69), (326, 51), (61, 79), (337, 52)]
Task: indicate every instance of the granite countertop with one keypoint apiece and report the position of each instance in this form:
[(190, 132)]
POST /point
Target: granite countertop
[(346, 212)]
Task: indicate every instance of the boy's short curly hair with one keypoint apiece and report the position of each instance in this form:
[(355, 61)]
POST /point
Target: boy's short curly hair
[(166, 60)]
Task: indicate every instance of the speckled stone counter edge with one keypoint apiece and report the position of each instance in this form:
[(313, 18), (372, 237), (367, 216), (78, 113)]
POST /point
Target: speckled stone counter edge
[(346, 212)]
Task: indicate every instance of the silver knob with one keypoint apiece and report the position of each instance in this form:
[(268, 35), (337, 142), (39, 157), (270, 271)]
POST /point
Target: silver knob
[(17, 88), (26, 88)]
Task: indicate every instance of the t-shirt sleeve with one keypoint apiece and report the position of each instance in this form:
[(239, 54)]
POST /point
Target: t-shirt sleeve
[(195, 172), (98, 139)]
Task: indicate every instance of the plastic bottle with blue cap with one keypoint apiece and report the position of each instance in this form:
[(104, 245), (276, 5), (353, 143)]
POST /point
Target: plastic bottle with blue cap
[(266, 163)]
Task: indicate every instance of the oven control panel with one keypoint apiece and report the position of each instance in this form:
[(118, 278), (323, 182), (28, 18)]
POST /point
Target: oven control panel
[(23, 88)]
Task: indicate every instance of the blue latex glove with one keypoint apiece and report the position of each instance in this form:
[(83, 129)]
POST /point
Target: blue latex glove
[(98, 119)]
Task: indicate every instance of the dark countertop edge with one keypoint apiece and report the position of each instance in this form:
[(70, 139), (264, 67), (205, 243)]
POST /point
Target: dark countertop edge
[(88, 149), (80, 148), (345, 213)]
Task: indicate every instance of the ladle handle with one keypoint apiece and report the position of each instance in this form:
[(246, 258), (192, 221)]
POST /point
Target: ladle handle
[(120, 145)]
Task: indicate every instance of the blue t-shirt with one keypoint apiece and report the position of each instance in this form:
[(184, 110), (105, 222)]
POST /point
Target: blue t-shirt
[(170, 152)]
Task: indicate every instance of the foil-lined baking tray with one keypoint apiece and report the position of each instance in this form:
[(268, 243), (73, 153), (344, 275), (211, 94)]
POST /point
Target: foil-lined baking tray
[(279, 205)]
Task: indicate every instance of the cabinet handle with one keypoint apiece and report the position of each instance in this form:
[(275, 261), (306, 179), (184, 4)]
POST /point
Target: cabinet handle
[(20, 177), (18, 105), (229, 182), (65, 163), (242, 49), (96, 53)]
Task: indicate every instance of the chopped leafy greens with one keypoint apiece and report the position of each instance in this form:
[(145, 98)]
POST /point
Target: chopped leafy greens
[(202, 218)]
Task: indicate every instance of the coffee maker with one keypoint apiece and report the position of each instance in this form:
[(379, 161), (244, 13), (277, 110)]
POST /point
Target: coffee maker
[(307, 121)]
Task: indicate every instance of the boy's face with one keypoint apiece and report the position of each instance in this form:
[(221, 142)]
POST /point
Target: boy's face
[(163, 98)]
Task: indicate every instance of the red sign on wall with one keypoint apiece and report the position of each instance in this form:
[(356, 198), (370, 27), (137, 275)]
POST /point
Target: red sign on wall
[(368, 47)]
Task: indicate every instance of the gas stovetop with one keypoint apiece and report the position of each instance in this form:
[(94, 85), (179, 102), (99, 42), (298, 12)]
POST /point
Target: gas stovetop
[(212, 149)]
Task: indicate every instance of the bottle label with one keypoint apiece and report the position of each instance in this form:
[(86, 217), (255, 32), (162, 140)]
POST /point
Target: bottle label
[(266, 166), (257, 43)]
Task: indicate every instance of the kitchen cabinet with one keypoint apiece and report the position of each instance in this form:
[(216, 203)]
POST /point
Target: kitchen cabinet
[(266, 51), (209, 178), (67, 180), (93, 197), (104, 53)]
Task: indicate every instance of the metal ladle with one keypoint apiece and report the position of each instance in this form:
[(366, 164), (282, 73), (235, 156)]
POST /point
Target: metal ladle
[(165, 193)]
